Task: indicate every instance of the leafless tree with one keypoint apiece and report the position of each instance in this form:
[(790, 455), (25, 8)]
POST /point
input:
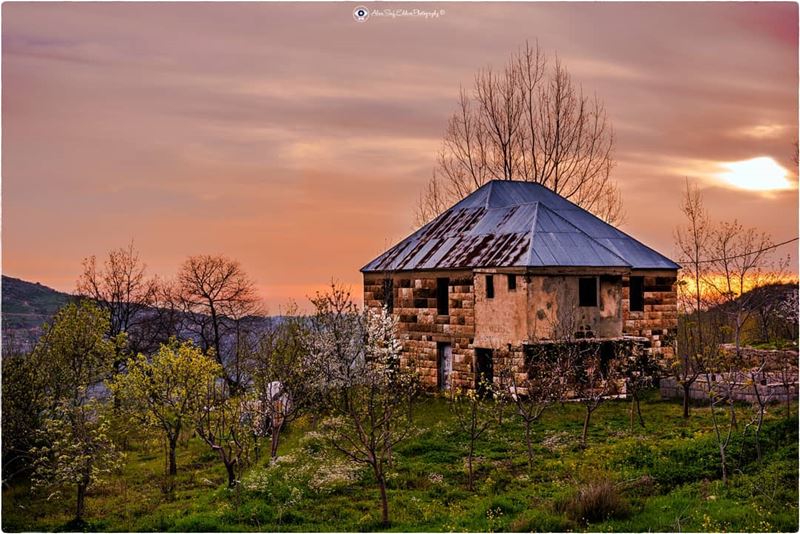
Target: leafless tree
[(474, 414), (741, 264), (215, 295), (219, 424), (692, 239), (722, 374), (596, 378), (545, 380), (529, 122), (122, 288)]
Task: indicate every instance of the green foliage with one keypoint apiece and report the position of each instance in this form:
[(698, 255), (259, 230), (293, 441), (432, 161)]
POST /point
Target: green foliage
[(169, 391), (312, 488), (78, 450)]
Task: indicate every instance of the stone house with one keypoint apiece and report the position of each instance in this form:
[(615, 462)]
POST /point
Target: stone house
[(511, 266)]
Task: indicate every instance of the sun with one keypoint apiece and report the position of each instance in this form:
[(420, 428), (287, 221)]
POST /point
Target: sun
[(756, 174)]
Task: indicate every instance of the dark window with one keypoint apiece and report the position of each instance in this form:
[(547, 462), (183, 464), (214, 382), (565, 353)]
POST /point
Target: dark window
[(388, 294), (484, 372), (587, 291), (512, 282), (637, 293), (442, 296), (489, 286)]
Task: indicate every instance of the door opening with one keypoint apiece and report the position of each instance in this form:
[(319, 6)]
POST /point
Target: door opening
[(444, 365), (484, 372)]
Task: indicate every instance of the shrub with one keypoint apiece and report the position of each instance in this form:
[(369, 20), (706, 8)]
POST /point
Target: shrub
[(595, 501), (536, 520)]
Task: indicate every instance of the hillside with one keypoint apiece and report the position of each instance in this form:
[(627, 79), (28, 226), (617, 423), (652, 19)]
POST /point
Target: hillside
[(26, 306)]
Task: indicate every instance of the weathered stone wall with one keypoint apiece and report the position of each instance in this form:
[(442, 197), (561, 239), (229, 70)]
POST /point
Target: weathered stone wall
[(555, 311), (658, 322), (420, 326), (503, 319)]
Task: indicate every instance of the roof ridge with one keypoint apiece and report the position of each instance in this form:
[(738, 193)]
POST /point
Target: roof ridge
[(592, 239), (533, 232)]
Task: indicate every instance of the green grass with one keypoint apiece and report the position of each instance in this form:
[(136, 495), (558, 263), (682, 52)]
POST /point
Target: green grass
[(667, 476)]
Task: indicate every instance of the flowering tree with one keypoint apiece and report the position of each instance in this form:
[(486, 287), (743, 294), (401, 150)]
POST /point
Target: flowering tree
[(168, 392), (367, 396), (284, 379), (72, 356), (78, 450)]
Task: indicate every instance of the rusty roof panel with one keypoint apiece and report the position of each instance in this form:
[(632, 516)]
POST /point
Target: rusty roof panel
[(517, 224)]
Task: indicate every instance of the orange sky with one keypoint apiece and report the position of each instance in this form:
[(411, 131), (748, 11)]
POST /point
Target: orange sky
[(296, 140)]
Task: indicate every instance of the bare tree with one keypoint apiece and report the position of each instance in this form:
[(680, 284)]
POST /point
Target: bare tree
[(527, 122), (741, 264), (545, 381), (122, 288), (215, 295), (596, 378), (692, 240), (219, 424), (475, 414)]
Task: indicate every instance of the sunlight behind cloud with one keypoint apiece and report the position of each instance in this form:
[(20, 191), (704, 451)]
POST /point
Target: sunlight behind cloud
[(756, 174)]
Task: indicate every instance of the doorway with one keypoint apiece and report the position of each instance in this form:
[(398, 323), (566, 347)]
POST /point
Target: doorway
[(444, 365), (484, 371)]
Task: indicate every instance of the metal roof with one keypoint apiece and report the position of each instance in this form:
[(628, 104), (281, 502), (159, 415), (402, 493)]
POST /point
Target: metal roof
[(517, 224)]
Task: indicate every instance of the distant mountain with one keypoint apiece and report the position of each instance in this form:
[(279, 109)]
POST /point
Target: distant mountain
[(26, 306)]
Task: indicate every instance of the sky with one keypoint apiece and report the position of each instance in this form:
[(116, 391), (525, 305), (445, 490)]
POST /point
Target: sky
[(295, 139)]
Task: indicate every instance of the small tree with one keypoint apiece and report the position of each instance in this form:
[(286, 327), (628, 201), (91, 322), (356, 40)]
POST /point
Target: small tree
[(368, 399), (640, 371), (595, 379), (692, 239), (545, 381), (72, 356), (78, 450), (721, 374), (169, 392), (220, 426), (474, 415), (283, 378)]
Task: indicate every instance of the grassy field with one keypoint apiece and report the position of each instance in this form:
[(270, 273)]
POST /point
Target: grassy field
[(662, 478)]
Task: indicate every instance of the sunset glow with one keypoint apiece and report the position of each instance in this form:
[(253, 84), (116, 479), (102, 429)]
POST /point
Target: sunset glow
[(757, 174), (298, 141)]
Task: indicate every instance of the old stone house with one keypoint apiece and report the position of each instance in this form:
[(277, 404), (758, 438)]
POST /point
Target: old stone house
[(511, 266)]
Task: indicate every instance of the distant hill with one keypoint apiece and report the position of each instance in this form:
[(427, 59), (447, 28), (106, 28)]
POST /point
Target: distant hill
[(26, 306)]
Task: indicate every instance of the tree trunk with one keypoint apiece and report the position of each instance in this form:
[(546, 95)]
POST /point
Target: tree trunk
[(686, 388), (275, 439), (724, 464), (639, 411), (229, 467), (470, 483), (529, 444), (586, 425), (81, 503), (381, 479), (173, 465)]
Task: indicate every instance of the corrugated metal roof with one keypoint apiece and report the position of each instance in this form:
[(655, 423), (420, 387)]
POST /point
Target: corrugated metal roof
[(517, 224)]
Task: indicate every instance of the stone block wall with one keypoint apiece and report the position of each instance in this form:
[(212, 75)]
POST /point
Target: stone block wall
[(421, 328), (658, 322)]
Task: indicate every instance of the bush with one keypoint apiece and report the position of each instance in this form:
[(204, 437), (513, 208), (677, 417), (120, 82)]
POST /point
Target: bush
[(541, 521), (595, 501)]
